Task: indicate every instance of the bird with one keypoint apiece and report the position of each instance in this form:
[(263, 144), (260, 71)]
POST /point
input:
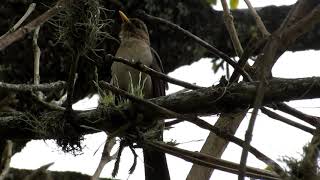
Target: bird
[(135, 46)]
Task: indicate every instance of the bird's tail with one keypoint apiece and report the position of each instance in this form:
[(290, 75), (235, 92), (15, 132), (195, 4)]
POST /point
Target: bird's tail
[(155, 162), (155, 165)]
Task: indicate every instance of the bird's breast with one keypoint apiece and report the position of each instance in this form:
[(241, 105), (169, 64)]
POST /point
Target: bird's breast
[(135, 50), (123, 76)]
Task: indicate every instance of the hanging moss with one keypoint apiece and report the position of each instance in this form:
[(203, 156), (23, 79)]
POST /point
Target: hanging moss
[(81, 25)]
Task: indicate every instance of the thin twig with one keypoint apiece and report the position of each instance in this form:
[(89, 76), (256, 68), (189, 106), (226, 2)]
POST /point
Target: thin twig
[(209, 161), (6, 159), (71, 82), (171, 123), (118, 156), (258, 20), (22, 31), (48, 105), (248, 136), (58, 85), (228, 20), (312, 120), (252, 46), (135, 156), (36, 64), (30, 9), (105, 157), (201, 42), (276, 116), (37, 53), (141, 67)]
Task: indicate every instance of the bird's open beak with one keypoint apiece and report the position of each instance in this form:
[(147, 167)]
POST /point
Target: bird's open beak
[(124, 18)]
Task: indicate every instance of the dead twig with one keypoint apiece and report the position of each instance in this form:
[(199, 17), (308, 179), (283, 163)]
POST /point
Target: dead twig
[(276, 116), (37, 53), (58, 85), (105, 157), (45, 104), (5, 159), (258, 20), (22, 31), (312, 120), (228, 21), (248, 136), (30, 9), (209, 161), (141, 67), (201, 42)]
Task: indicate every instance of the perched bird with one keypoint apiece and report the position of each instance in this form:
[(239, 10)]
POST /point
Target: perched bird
[(135, 46)]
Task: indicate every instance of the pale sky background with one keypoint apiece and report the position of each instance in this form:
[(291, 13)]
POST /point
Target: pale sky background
[(273, 138)]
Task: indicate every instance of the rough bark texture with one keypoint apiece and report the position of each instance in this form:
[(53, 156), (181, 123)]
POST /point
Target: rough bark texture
[(201, 102), (19, 174)]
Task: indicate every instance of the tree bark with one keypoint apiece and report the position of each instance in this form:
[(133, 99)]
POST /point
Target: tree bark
[(15, 174), (204, 101)]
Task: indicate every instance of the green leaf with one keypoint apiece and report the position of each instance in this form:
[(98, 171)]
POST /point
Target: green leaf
[(234, 4)]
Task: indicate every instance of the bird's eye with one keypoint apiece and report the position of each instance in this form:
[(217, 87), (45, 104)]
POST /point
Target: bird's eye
[(138, 25)]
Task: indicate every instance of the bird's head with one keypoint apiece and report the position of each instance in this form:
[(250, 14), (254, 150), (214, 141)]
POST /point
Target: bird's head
[(133, 28)]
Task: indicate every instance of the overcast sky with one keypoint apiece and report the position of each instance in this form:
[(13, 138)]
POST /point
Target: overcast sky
[(273, 138)]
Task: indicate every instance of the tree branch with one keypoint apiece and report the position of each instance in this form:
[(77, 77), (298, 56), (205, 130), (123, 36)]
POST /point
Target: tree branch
[(32, 87), (139, 66), (209, 161), (204, 101), (276, 116), (312, 120), (198, 40), (21, 32), (228, 20), (257, 18), (30, 9)]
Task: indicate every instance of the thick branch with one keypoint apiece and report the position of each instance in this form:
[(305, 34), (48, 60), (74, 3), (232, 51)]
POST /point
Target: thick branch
[(204, 101), (30, 87), (55, 175)]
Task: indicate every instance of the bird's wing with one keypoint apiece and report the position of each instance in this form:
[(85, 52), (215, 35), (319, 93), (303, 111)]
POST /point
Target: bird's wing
[(156, 57), (159, 86)]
